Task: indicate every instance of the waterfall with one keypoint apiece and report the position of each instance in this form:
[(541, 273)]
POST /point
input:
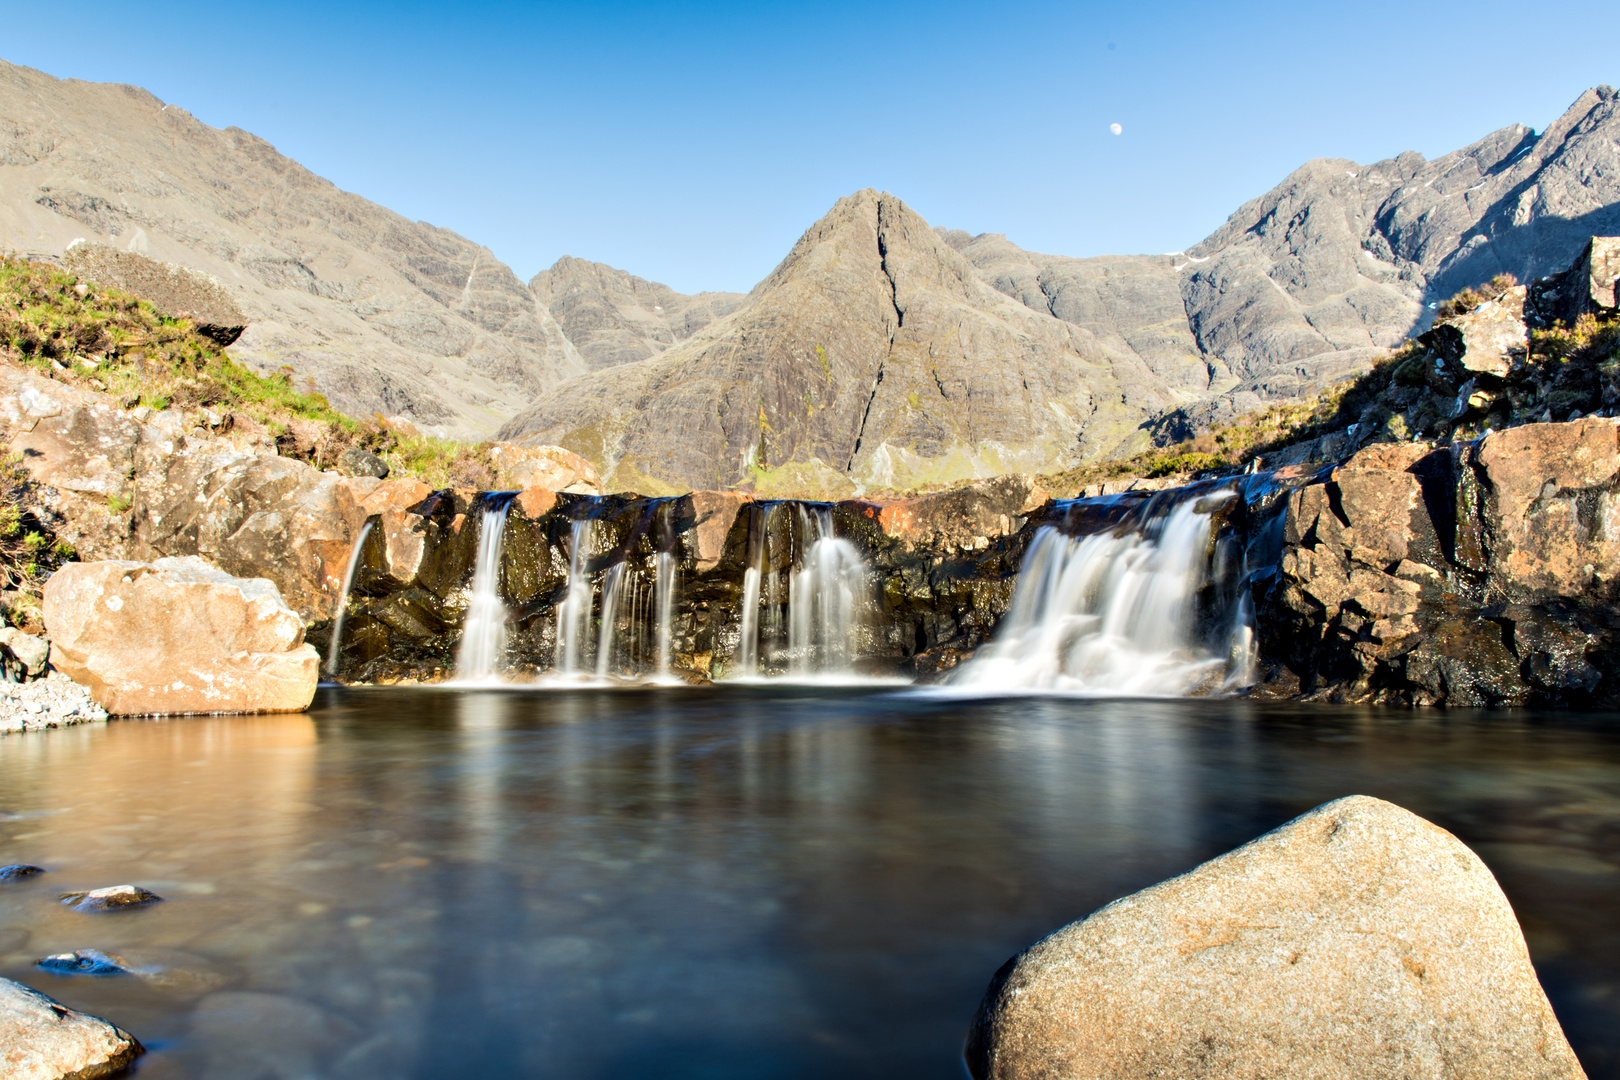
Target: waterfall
[(483, 635), (664, 603), (824, 593), (334, 650), (573, 614), (748, 636), (1116, 612), (612, 585)]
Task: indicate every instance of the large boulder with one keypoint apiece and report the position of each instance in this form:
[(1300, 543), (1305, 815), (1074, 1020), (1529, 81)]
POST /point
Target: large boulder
[(178, 636), (42, 1039), (1356, 941)]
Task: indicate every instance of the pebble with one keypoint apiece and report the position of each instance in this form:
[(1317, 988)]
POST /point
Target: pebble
[(54, 701), (18, 871)]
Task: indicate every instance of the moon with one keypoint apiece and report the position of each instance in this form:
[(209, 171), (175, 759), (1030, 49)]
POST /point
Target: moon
[(1115, 128)]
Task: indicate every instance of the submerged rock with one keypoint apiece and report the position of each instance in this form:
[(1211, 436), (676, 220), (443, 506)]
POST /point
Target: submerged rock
[(112, 898), (42, 1039), (178, 636), (19, 871), (84, 962), (1358, 940)]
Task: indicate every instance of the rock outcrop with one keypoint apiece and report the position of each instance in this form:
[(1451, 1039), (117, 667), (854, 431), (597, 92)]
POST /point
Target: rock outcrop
[(178, 636), (1477, 574), (42, 1039), (1358, 940)]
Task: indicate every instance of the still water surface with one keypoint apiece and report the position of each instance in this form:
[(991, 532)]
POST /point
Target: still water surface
[(725, 883)]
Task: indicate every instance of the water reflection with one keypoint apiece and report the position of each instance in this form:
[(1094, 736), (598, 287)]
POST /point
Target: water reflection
[(754, 881)]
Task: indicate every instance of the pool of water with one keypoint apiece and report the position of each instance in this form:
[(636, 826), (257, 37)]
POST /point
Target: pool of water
[(758, 881)]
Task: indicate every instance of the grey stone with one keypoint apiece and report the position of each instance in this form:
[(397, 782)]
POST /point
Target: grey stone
[(358, 461), (1358, 941), (19, 871), (30, 651), (42, 1039), (171, 289)]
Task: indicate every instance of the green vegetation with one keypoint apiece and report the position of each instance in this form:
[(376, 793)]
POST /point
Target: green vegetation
[(29, 550), (118, 344), (1471, 298)]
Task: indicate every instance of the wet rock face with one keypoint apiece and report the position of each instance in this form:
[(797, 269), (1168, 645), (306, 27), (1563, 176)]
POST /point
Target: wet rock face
[(1479, 574), (1358, 940), (943, 571)]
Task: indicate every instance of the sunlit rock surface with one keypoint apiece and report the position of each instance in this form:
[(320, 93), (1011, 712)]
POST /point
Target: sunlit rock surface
[(178, 636), (1357, 941), (41, 1039)]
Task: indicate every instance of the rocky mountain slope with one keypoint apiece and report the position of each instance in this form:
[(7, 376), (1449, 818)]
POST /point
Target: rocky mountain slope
[(873, 356), (613, 317), (880, 354), (1306, 284), (384, 314)]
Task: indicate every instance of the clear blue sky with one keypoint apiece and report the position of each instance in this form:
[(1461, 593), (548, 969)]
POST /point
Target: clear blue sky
[(693, 143)]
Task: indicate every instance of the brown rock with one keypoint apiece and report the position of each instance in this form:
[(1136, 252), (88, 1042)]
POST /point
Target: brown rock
[(714, 512), (1551, 507), (956, 518), (1356, 941), (552, 467), (42, 1039), (178, 636)]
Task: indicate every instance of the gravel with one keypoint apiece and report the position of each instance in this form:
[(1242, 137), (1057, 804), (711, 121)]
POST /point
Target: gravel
[(54, 701)]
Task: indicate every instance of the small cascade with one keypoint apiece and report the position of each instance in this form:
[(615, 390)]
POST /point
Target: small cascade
[(334, 650), (824, 593), (1118, 612), (483, 635), (664, 573), (574, 613), (748, 630), (612, 586)]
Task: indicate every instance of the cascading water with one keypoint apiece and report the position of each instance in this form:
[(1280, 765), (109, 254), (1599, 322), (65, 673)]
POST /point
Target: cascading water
[(664, 603), (1116, 612), (483, 635), (612, 586), (573, 614), (748, 629), (824, 594), (334, 650)]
